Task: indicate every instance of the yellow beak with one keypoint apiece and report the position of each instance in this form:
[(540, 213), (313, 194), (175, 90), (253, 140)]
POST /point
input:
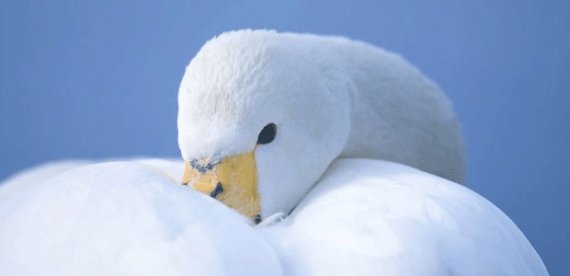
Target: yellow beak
[(232, 181)]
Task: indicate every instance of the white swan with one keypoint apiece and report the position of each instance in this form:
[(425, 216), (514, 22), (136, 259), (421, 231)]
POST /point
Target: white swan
[(262, 117)]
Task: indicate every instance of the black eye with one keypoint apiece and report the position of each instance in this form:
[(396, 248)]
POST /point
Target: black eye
[(267, 134)]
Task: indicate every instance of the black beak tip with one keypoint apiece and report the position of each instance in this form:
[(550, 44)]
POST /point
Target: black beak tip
[(257, 219)]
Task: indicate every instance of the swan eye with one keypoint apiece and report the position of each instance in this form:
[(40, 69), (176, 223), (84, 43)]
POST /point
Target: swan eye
[(267, 134)]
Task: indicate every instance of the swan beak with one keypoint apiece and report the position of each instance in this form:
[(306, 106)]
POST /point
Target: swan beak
[(233, 181)]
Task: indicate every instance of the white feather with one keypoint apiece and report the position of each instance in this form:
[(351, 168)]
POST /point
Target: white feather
[(125, 218), (328, 96), (371, 217)]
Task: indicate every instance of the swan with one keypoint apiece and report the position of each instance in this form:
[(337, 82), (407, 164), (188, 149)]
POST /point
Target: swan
[(288, 130)]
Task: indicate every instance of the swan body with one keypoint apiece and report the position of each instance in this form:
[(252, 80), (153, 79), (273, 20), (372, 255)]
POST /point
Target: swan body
[(365, 217)]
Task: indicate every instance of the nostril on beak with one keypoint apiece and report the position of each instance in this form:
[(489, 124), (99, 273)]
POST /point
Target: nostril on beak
[(217, 191), (203, 166)]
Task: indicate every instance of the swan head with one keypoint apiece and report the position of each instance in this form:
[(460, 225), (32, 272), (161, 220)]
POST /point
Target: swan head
[(261, 116)]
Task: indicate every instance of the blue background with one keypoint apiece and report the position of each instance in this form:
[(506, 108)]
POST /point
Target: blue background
[(97, 79)]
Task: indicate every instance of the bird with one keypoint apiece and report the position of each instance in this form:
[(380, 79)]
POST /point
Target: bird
[(262, 114), (301, 155)]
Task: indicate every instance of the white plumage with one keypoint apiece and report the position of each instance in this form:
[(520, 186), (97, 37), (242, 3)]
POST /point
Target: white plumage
[(124, 218), (332, 99), (365, 217), (370, 217), (329, 97)]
